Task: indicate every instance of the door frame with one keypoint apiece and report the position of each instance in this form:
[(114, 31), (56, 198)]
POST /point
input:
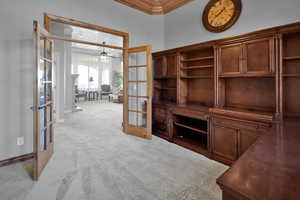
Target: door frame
[(49, 18)]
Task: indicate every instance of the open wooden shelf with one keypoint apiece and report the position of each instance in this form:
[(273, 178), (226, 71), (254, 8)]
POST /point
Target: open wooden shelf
[(164, 77), (159, 88), (191, 144), (291, 58), (197, 67), (197, 59), (190, 127), (258, 75), (244, 113), (196, 77)]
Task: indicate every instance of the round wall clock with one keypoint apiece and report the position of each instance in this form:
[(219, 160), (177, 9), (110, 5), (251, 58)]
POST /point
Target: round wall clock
[(220, 15)]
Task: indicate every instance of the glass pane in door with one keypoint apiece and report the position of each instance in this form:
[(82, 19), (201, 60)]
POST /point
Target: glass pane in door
[(132, 120), (137, 89), (141, 58), (45, 92), (142, 120)]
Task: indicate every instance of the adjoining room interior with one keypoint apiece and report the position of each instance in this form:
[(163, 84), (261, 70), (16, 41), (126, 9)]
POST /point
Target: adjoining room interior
[(141, 99), (86, 73)]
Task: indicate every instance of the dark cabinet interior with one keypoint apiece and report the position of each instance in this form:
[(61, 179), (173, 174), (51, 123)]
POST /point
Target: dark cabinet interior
[(191, 133)]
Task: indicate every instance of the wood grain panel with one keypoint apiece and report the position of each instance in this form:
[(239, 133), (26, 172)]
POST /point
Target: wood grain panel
[(251, 93)]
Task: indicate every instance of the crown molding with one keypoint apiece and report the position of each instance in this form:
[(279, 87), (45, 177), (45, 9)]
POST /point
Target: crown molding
[(154, 7)]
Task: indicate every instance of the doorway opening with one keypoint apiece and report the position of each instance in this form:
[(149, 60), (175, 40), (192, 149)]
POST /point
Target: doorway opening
[(88, 53)]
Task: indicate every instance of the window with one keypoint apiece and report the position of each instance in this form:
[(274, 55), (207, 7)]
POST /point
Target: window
[(83, 81), (93, 78), (105, 77)]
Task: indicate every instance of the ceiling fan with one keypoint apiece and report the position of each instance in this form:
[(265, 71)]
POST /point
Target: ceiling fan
[(103, 53)]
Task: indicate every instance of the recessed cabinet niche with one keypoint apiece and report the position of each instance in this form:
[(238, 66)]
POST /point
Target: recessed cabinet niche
[(291, 75)]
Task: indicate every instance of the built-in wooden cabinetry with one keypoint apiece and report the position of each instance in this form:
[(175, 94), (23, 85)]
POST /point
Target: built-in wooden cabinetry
[(231, 137), (218, 97), (165, 79), (290, 70), (253, 57), (196, 77)]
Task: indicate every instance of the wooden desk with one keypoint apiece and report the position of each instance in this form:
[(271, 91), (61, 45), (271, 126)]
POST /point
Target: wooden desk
[(269, 170)]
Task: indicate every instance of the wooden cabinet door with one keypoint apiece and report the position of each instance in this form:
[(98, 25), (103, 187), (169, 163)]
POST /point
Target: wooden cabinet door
[(230, 57), (247, 138), (258, 56), (171, 61), (224, 142), (160, 121), (159, 66)]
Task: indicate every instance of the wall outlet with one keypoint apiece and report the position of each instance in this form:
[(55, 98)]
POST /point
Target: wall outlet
[(20, 141)]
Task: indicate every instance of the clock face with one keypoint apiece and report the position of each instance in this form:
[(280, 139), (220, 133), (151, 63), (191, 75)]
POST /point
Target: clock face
[(220, 15)]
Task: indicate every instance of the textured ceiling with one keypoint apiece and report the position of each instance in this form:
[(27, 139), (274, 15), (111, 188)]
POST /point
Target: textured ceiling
[(154, 7)]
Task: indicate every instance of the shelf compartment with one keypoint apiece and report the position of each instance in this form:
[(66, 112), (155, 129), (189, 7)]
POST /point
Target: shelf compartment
[(291, 58), (190, 127), (159, 88), (264, 75), (196, 77), (197, 67), (191, 140), (256, 95), (244, 114), (164, 77), (197, 125), (197, 59)]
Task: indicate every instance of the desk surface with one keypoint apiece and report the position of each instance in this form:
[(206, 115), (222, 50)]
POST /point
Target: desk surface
[(270, 169)]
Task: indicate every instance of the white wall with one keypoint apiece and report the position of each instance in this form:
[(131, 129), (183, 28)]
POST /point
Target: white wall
[(16, 54), (180, 27), (184, 25)]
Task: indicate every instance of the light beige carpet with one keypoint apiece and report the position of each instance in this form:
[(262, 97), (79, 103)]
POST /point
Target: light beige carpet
[(94, 160)]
